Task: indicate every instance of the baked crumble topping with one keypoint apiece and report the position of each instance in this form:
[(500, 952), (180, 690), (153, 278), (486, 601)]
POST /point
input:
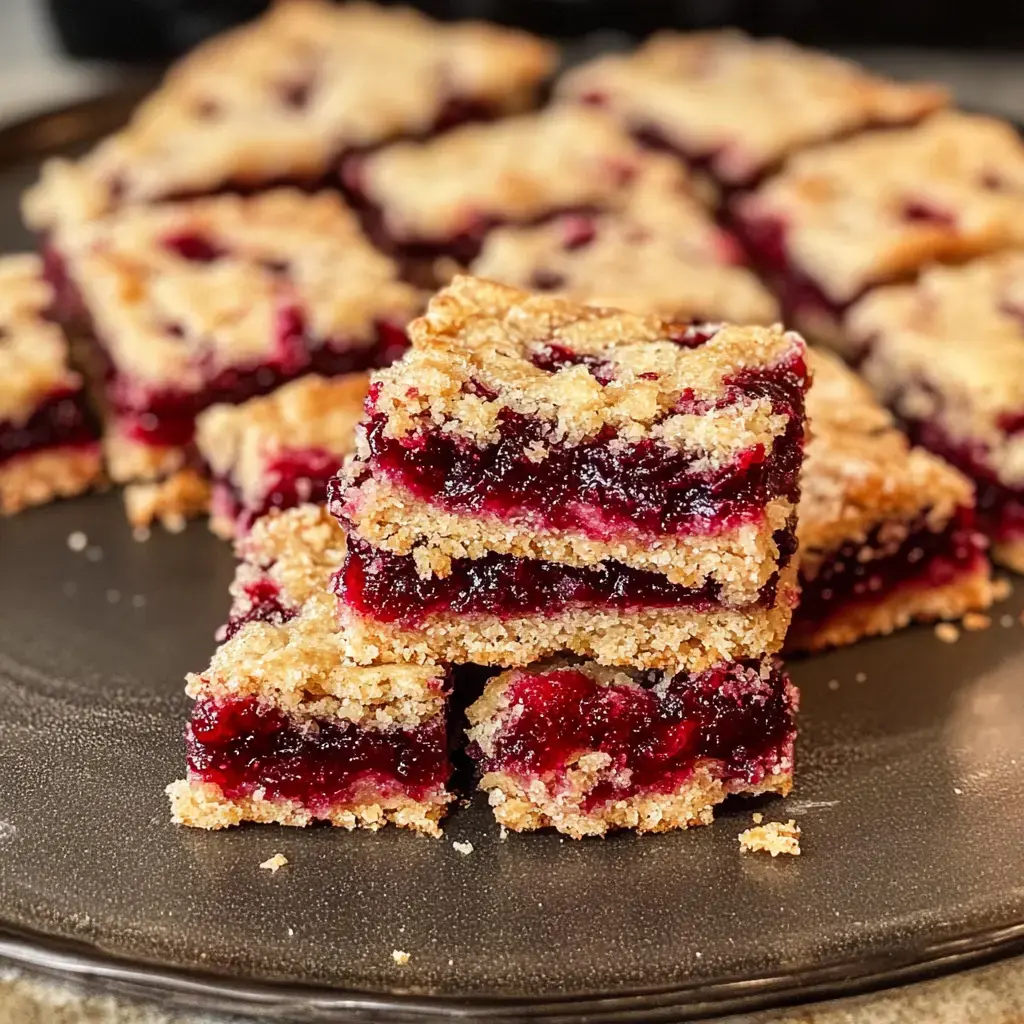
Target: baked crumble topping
[(885, 204), (479, 345), (740, 105), (33, 352), (177, 292), (282, 98)]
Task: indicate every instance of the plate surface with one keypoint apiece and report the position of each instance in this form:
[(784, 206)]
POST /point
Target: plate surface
[(909, 793)]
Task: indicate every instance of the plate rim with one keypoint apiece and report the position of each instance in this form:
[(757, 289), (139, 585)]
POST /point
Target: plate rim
[(51, 131)]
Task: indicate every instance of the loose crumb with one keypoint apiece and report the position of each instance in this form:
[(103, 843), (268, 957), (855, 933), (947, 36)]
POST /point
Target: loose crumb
[(113, 596), (78, 541), (1006, 621), (503, 832), (400, 956), (947, 632), (291, 932), (975, 621), (139, 601), (275, 863), (451, 962), (1002, 588), (94, 554), (757, 817), (959, 792), (464, 848), (141, 534), (773, 838), (833, 684)]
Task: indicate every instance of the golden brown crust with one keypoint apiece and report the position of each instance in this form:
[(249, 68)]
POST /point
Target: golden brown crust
[(477, 332), (203, 805), (860, 473), (516, 169), (33, 352), (970, 592), (171, 502), (525, 808), (238, 441), (670, 639), (950, 349), (41, 476), (658, 252), (283, 97), (746, 103), (741, 560), (1009, 553), (167, 319), (885, 204)]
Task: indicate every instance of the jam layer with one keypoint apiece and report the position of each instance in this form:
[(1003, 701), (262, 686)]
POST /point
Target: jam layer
[(655, 733), (602, 487), (62, 420), (242, 745), (925, 558), (386, 587)]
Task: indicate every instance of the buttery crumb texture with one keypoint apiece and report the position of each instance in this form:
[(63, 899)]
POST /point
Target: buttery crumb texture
[(774, 838)]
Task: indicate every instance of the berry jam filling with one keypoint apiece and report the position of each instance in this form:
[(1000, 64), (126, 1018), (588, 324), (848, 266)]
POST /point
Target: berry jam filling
[(296, 477), (166, 416), (263, 604), (602, 487), (924, 559), (387, 587), (656, 732), (61, 420), (243, 745)]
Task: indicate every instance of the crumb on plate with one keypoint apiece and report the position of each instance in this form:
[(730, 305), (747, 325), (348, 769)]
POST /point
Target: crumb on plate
[(275, 863), (947, 632), (400, 956), (774, 838)]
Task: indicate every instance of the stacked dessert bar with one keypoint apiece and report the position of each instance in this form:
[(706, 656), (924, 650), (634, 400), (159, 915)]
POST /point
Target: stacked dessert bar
[(284, 729)]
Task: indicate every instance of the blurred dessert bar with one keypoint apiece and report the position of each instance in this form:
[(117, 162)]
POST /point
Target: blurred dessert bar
[(284, 729), (887, 532), (735, 107), (279, 450), (283, 99), (49, 445)]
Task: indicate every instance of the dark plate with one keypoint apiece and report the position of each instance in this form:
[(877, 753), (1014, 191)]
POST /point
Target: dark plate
[(909, 794)]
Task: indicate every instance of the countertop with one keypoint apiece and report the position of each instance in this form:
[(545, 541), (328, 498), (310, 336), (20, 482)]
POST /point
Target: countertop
[(33, 76)]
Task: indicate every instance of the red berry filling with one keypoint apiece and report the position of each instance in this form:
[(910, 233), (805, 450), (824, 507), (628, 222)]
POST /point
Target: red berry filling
[(603, 486), (243, 745), (264, 604), (925, 558), (728, 718), (61, 420), (387, 587), (294, 477)]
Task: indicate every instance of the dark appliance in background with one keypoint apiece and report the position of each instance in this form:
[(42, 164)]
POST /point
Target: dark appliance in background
[(154, 30)]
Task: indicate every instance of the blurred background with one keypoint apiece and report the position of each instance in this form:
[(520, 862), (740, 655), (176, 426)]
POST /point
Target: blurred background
[(55, 50)]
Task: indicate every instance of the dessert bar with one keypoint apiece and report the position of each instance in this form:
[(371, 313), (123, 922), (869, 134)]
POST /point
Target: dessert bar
[(887, 532), (586, 749), (881, 207), (659, 251), (49, 445), (947, 355), (281, 100), (423, 201), (736, 107), (537, 475), (279, 450), (217, 300), (284, 729)]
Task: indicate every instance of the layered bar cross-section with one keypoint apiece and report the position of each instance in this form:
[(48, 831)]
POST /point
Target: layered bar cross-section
[(284, 729), (49, 445)]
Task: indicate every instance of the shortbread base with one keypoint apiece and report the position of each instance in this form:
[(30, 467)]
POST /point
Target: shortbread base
[(38, 477)]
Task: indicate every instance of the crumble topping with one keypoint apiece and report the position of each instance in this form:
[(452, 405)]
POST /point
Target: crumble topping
[(479, 339), (741, 103), (774, 838), (658, 251), (860, 472), (33, 352), (951, 348), (887, 203), (284, 96), (512, 170), (237, 442), (178, 292)]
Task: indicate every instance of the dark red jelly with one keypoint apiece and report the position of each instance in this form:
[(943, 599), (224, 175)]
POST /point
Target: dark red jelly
[(925, 558), (655, 733), (242, 745), (62, 420), (387, 587), (263, 604), (603, 486)]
